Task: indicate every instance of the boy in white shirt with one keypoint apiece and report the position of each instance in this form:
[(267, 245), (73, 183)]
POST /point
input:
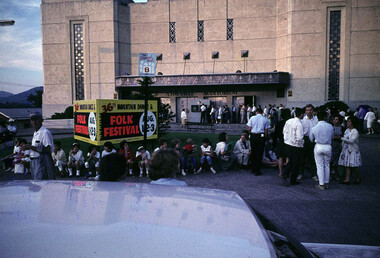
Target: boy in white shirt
[(92, 162), (59, 157), (76, 159), (143, 157)]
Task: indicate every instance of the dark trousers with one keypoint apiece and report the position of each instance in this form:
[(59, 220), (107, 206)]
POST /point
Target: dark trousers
[(257, 150), (294, 154), (308, 157), (203, 117)]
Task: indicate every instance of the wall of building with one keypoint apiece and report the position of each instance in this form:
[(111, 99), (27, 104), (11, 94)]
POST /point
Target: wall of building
[(99, 51), (254, 30), (290, 36)]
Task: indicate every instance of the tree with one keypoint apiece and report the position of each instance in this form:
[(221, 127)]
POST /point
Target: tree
[(164, 114), (68, 114), (36, 99)]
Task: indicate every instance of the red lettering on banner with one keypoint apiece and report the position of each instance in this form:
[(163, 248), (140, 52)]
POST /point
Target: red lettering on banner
[(81, 119), (129, 119), (121, 130), (121, 120), (81, 129)]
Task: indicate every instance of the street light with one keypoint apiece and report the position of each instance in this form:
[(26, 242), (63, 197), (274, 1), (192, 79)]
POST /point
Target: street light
[(7, 22)]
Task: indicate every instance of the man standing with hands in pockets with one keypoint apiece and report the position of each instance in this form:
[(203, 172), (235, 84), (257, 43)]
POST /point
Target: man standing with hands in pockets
[(41, 164), (258, 127)]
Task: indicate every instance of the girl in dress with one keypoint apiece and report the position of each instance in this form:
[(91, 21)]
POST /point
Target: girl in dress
[(350, 156)]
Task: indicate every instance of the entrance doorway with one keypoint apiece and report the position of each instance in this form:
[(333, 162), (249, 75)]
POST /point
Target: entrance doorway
[(183, 103), (244, 100)]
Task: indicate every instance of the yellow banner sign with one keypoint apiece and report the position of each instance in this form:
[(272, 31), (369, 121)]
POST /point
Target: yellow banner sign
[(101, 120)]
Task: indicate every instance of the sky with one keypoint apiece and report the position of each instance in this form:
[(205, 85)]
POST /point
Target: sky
[(20, 46)]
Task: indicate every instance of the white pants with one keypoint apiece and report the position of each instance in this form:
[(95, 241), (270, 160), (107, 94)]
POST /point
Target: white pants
[(60, 164), (322, 155)]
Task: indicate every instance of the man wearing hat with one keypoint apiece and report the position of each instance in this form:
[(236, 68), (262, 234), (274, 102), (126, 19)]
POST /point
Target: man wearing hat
[(41, 164)]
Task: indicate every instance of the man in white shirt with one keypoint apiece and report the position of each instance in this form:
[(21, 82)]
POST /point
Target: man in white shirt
[(41, 164), (308, 122), (203, 113), (294, 140), (183, 118), (322, 134), (258, 127)]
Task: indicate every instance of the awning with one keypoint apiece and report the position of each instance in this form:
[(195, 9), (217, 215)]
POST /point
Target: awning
[(210, 82)]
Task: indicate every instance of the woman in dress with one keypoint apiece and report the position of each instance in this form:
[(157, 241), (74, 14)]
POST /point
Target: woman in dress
[(350, 156)]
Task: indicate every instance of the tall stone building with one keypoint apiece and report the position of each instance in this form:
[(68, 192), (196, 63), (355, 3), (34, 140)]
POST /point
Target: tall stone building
[(227, 51)]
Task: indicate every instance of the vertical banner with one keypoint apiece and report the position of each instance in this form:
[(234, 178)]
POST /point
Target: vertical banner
[(101, 120), (147, 64)]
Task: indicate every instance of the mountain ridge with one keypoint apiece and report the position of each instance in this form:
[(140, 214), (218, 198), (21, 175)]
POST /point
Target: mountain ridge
[(20, 99)]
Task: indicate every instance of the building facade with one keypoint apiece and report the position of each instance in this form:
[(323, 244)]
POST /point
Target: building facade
[(228, 51)]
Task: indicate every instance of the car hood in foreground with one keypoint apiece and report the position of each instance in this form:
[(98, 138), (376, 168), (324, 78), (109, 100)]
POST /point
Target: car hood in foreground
[(339, 251), (79, 218)]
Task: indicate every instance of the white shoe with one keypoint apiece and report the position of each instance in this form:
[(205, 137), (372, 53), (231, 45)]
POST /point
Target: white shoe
[(183, 172), (97, 178), (315, 178), (299, 177), (199, 170), (213, 170)]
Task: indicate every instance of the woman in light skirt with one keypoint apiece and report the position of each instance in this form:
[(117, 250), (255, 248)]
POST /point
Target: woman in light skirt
[(350, 156)]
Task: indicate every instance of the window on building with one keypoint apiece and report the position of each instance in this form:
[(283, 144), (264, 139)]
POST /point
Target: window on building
[(201, 31), (230, 29), (334, 55), (280, 93), (172, 38), (78, 58)]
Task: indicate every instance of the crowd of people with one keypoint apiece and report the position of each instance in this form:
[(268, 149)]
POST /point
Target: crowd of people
[(223, 114), (316, 140)]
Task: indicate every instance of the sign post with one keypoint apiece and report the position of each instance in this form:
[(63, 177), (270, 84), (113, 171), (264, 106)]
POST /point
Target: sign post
[(147, 68)]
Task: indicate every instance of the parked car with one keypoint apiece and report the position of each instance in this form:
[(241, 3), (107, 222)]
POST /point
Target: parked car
[(118, 219)]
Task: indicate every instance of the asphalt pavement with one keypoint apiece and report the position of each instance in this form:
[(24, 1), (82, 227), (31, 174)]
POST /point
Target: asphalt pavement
[(342, 214)]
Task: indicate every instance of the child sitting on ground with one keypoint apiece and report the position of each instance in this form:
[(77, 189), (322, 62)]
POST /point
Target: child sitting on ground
[(207, 154), (76, 159), (108, 149), (59, 157), (92, 163), (127, 153), (142, 159), (189, 162)]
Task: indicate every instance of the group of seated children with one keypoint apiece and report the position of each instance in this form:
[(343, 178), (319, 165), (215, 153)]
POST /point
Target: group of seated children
[(92, 162), (19, 160), (224, 156)]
